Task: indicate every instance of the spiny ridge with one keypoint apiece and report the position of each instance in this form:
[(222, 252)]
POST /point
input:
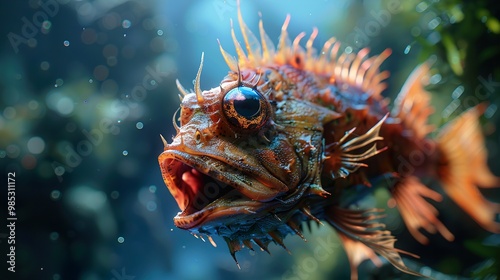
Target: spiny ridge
[(352, 69)]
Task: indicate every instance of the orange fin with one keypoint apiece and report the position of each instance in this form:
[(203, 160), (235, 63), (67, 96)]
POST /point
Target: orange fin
[(409, 195), (355, 70), (347, 156), (412, 104), (357, 252), (363, 236), (465, 168)]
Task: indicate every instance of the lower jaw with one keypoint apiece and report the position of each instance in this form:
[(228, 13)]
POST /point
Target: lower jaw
[(215, 216)]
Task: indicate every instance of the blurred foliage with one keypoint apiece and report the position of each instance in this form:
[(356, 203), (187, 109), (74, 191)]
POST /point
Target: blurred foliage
[(488, 248)]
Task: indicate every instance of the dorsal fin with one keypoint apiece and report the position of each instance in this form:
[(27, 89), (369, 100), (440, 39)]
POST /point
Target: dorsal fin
[(268, 49), (251, 43), (355, 70), (412, 104)]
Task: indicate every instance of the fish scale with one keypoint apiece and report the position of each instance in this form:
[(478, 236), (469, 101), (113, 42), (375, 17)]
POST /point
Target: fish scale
[(320, 128)]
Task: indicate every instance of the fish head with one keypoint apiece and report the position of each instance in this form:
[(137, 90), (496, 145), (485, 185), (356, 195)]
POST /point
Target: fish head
[(244, 157)]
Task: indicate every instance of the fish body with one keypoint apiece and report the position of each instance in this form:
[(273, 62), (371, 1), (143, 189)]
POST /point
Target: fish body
[(288, 132)]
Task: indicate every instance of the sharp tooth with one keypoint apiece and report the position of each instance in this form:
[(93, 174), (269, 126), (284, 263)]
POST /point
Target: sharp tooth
[(165, 144), (201, 236), (278, 239), (296, 229), (234, 246), (248, 244), (211, 241), (261, 244), (306, 212)]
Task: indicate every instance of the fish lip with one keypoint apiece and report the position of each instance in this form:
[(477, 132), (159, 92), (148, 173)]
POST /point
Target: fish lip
[(216, 209)]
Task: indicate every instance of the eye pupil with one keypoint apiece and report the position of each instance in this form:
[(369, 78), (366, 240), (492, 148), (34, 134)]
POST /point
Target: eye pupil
[(248, 107), (245, 108), (245, 100)]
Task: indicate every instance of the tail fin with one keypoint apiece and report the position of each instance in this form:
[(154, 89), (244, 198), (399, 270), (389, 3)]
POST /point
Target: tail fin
[(465, 168)]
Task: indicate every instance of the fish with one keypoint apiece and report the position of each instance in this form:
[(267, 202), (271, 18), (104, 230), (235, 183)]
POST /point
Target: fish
[(290, 130)]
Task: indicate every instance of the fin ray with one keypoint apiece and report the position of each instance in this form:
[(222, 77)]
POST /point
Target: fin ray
[(409, 194), (412, 105), (375, 239), (462, 143)]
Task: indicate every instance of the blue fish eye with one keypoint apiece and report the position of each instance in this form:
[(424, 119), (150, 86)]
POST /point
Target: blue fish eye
[(246, 101), (244, 107)]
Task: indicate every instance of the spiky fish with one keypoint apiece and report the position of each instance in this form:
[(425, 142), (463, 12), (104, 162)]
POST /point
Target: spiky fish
[(288, 131)]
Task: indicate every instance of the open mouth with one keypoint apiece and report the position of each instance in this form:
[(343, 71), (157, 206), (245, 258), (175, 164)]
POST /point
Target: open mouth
[(199, 189)]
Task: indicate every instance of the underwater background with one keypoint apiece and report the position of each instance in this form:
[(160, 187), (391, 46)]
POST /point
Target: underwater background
[(88, 86)]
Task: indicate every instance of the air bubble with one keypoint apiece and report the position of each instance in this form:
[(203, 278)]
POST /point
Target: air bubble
[(59, 82), (13, 151), (36, 145), (59, 171), (66, 43), (151, 206), (55, 195), (115, 194), (9, 112), (457, 92), (126, 23), (421, 7), (125, 153), (490, 111), (435, 79), (44, 65), (407, 49), (434, 23), (139, 125), (54, 236), (65, 106), (121, 239), (46, 25), (33, 105)]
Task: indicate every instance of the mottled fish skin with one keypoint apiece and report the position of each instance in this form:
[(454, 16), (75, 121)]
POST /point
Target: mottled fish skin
[(288, 131)]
